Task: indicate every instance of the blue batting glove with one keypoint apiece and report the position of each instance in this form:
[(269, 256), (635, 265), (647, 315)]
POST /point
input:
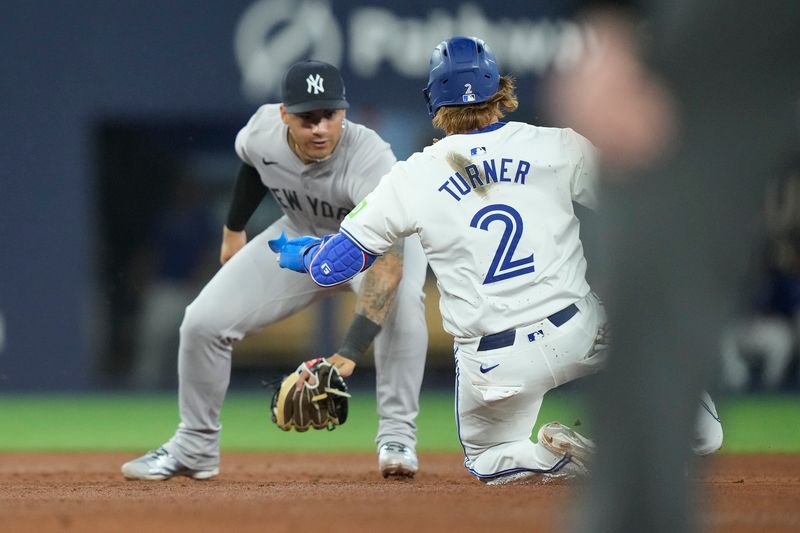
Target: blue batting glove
[(295, 254), (275, 244)]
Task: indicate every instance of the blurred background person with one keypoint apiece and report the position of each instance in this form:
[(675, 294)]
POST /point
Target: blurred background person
[(177, 260), (760, 347), (757, 353), (687, 120), (783, 233)]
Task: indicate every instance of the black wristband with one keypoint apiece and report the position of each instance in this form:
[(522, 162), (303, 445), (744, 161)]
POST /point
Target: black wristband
[(358, 338), (247, 194)]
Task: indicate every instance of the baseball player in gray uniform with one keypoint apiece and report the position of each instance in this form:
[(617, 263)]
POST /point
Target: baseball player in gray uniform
[(492, 203), (318, 166)]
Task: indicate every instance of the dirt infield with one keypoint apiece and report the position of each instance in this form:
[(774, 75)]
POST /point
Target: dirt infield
[(85, 492)]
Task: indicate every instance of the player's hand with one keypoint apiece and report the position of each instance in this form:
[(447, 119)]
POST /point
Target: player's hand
[(614, 99), (232, 242), (344, 365), (602, 340), (294, 253)]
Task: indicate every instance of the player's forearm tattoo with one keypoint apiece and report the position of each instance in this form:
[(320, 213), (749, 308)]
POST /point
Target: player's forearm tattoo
[(380, 285)]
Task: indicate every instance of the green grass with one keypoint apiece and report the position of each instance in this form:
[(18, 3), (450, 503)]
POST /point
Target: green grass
[(766, 424), (139, 422)]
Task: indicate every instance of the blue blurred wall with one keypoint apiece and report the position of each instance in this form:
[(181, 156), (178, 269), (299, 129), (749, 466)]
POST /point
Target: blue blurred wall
[(67, 65)]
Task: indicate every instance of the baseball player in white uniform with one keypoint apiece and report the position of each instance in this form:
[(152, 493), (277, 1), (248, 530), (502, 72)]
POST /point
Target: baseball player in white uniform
[(492, 204), (318, 166)]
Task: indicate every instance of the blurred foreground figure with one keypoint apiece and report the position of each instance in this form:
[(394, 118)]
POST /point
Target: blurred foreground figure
[(687, 137)]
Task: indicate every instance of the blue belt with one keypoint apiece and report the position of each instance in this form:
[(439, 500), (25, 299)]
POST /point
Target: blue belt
[(506, 338)]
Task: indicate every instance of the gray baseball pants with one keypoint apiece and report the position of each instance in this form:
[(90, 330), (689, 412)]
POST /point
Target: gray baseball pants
[(251, 291)]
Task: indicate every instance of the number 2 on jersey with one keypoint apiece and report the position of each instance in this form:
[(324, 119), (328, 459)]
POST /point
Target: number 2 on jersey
[(503, 265)]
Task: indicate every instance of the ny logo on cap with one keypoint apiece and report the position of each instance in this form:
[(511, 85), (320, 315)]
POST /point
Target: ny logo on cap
[(315, 82)]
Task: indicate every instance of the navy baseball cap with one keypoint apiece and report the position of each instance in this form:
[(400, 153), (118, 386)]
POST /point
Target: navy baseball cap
[(312, 85)]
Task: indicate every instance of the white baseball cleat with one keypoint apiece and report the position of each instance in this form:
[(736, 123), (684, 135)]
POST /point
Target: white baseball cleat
[(565, 449), (157, 465), (397, 459), (562, 440)]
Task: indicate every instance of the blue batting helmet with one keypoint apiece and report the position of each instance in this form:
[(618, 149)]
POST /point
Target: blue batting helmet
[(462, 71)]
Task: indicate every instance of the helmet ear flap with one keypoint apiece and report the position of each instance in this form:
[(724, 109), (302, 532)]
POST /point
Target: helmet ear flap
[(427, 95)]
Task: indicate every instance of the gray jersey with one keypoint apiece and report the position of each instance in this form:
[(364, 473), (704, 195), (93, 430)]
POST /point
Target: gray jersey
[(314, 197)]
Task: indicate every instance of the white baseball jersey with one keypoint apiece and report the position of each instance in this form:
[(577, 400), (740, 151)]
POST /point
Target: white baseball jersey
[(316, 196), (494, 212)]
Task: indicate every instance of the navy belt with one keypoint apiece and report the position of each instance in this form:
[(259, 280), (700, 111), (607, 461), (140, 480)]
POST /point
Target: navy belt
[(506, 338)]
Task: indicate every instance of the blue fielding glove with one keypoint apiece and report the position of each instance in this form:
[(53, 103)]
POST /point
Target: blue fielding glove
[(295, 254)]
